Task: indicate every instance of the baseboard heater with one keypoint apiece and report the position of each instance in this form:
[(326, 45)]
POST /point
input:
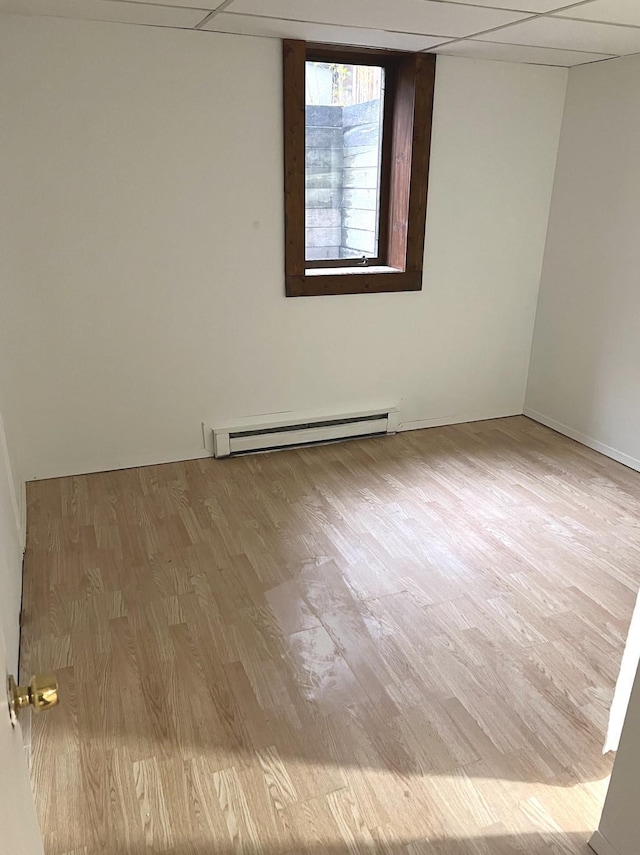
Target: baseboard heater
[(286, 430)]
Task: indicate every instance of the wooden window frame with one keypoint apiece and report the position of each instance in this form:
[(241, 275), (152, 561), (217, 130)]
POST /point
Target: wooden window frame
[(409, 85)]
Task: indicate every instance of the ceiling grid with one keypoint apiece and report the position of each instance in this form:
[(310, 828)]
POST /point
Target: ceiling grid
[(543, 32)]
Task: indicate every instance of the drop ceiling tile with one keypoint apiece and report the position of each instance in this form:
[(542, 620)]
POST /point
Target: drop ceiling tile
[(517, 5), (609, 11), (518, 53), (277, 29), (108, 10), (407, 16), (569, 35), (207, 5)]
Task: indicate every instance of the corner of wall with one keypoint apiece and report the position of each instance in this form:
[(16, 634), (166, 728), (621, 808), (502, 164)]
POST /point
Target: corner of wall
[(544, 250)]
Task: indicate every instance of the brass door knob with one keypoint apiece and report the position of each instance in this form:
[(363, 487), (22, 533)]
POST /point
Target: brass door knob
[(41, 693)]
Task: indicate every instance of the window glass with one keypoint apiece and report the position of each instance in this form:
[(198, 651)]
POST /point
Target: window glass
[(343, 139)]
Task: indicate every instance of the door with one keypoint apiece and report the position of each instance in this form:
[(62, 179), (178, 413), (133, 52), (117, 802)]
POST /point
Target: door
[(19, 831), (628, 670), (619, 829)]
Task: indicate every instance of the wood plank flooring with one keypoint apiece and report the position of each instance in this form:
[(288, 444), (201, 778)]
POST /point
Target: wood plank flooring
[(401, 646)]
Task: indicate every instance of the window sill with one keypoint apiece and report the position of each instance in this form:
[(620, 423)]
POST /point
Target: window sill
[(319, 281), (349, 271)]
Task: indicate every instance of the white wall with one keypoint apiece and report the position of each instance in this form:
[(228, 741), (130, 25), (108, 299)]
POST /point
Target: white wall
[(142, 203), (585, 363)]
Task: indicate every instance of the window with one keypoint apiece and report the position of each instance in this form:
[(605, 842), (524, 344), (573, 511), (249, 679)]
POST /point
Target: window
[(357, 129), (344, 110)]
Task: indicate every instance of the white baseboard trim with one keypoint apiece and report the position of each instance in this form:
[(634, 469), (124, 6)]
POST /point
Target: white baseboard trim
[(443, 421), (127, 462), (139, 460), (601, 845), (135, 461), (596, 445)]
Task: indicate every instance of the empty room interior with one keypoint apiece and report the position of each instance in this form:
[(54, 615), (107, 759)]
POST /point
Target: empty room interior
[(319, 427)]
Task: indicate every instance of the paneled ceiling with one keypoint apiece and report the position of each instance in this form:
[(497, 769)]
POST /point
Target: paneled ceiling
[(544, 32)]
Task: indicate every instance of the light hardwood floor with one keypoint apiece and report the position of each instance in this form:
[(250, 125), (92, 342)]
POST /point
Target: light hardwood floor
[(400, 646)]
